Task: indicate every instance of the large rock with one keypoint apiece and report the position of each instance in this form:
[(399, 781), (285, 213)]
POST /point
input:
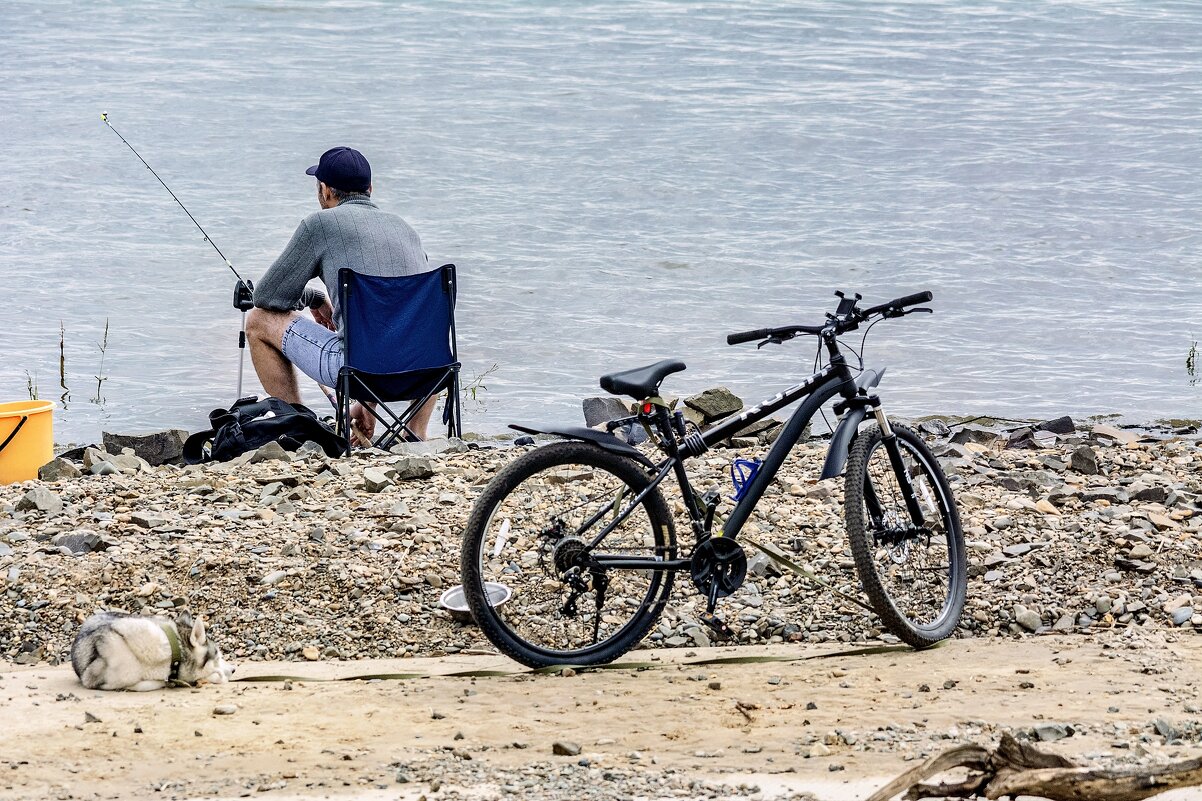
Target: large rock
[(1154, 494), (1112, 495), (430, 447), (129, 463), (754, 429), (100, 462), (978, 434), (935, 428), (376, 480), (94, 456), (1051, 732), (1061, 425), (602, 410), (58, 468), (1027, 618), (1085, 461), (81, 542), (270, 452), (715, 403), (105, 468), (411, 467), (158, 447), (1104, 432), (41, 499)]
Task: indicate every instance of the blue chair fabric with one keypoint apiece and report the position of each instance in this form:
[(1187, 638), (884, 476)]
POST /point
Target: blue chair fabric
[(400, 346)]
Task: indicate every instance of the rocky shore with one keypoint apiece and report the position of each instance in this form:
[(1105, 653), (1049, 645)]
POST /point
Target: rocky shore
[(300, 556)]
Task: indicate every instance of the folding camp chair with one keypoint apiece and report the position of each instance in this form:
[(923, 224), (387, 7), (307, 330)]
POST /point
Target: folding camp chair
[(400, 345)]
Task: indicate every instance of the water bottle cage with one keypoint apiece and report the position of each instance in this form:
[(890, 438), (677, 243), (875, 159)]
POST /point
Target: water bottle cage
[(742, 473)]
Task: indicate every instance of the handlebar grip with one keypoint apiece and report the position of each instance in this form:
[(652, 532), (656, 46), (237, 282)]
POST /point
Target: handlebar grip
[(748, 336), (899, 303), (910, 300)]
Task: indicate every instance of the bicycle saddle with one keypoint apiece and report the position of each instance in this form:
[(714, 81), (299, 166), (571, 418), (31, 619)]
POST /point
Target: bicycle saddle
[(641, 382)]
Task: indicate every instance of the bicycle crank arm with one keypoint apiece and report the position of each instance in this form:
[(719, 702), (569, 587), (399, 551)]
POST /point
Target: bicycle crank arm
[(723, 631)]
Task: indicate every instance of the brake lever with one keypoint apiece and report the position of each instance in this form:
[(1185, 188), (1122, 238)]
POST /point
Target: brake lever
[(775, 339), (912, 311)]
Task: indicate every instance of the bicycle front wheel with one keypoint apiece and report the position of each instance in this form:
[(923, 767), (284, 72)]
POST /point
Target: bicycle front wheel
[(571, 602), (914, 571)]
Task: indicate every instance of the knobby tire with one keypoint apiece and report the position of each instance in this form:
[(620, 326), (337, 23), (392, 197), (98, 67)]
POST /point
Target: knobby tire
[(887, 569)]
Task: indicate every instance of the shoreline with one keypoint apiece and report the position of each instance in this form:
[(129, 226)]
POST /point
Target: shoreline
[(1001, 422)]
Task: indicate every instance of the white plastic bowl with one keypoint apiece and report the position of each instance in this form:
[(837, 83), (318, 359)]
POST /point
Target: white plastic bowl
[(454, 601)]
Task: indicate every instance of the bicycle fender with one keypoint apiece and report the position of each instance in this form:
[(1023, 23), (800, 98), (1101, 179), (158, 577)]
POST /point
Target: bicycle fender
[(836, 454), (602, 439)]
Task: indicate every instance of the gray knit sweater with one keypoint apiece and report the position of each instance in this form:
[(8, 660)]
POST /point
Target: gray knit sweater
[(354, 234)]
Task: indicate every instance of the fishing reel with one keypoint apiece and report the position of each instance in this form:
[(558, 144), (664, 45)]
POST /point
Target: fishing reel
[(244, 292)]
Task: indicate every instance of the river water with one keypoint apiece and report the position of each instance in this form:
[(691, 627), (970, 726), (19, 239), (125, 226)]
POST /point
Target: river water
[(619, 182)]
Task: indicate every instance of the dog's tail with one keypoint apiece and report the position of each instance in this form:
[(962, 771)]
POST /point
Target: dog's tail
[(85, 649)]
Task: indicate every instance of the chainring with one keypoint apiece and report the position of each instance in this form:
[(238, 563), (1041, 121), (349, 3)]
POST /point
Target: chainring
[(718, 562)]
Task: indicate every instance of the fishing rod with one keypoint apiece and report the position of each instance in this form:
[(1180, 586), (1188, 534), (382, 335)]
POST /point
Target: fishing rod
[(243, 290)]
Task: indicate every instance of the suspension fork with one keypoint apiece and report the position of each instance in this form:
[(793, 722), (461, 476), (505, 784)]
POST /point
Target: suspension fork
[(889, 439)]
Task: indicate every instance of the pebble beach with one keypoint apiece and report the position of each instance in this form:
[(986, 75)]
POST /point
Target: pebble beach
[(302, 557)]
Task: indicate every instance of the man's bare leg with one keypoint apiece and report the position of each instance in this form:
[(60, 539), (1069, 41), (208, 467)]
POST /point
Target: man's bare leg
[(265, 332), (421, 418)]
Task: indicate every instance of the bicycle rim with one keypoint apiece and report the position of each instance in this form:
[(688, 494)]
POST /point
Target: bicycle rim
[(541, 518)]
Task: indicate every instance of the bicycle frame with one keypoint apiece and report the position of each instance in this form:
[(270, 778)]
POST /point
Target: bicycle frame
[(834, 379)]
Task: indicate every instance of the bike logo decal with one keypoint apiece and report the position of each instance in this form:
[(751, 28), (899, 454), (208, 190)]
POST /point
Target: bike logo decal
[(780, 396)]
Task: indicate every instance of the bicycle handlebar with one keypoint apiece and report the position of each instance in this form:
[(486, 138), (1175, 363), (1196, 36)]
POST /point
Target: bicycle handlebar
[(838, 324), (786, 332), (900, 303)]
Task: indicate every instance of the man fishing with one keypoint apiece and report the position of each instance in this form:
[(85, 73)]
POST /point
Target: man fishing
[(349, 231)]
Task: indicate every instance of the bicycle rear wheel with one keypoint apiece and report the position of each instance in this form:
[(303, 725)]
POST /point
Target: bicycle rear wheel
[(915, 573), (531, 531)]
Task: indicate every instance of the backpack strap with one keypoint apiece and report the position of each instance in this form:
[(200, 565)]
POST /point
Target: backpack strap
[(194, 447)]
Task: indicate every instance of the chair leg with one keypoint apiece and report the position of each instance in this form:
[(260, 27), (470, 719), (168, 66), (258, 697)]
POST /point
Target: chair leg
[(344, 410), (455, 428), (398, 425)]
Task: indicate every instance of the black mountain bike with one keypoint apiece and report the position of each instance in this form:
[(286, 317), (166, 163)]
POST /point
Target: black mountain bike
[(580, 534)]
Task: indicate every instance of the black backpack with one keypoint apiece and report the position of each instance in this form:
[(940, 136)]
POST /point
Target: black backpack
[(251, 423)]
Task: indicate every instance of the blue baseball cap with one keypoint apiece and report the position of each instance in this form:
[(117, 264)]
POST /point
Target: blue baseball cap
[(343, 168)]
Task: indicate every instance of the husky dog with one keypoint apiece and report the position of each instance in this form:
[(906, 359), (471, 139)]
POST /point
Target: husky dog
[(116, 651)]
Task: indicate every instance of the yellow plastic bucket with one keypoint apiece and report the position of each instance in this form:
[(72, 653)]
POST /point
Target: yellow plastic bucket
[(26, 439)]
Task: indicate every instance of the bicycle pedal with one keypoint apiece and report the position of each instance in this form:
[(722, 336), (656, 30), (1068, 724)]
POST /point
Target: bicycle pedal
[(723, 631)]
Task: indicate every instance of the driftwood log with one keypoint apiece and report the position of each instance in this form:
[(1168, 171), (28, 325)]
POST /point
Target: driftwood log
[(1015, 768)]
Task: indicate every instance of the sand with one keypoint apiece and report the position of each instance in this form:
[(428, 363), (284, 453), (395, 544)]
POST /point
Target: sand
[(676, 729)]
